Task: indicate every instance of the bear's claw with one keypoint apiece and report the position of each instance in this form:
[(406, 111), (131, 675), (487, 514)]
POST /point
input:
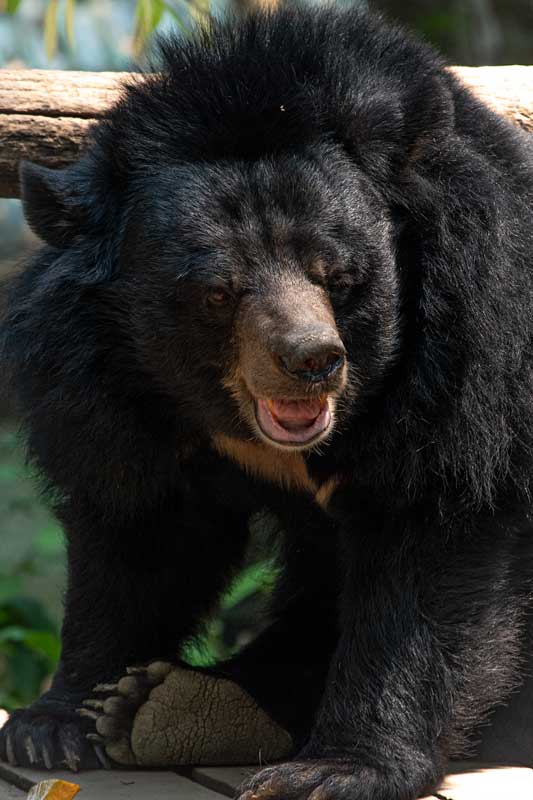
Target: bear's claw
[(114, 714), (49, 736)]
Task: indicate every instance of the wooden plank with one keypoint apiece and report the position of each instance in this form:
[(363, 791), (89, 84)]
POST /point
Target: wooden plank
[(10, 792), (465, 781), (224, 780), (115, 784), (46, 115), (481, 782)]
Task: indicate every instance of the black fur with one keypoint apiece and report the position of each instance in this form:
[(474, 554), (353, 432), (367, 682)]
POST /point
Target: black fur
[(353, 139)]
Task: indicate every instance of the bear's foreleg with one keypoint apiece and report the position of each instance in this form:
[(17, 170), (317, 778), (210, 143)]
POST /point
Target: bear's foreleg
[(284, 669), (135, 592), (432, 624), (256, 707), (259, 705)]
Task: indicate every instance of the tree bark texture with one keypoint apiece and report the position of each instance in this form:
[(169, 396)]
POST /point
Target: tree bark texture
[(46, 115)]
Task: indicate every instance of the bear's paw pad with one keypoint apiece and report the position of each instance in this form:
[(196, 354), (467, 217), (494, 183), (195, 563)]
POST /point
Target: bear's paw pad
[(163, 715)]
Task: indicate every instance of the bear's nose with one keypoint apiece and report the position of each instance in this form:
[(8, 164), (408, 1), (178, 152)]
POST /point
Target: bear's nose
[(313, 355)]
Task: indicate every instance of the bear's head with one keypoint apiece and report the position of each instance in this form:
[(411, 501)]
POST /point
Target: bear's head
[(260, 295), (240, 213)]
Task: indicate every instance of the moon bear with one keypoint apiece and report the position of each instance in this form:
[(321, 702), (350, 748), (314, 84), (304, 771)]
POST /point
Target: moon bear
[(290, 276)]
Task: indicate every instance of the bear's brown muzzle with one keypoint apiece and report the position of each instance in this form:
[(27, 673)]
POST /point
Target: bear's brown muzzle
[(289, 345), (291, 363)]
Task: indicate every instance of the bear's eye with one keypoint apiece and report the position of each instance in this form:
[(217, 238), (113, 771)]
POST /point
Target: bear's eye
[(218, 297)]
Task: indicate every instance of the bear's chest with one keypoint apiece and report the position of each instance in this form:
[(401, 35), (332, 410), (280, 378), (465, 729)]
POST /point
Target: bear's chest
[(285, 469)]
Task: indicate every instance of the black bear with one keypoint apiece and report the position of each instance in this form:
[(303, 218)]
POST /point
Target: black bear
[(291, 275)]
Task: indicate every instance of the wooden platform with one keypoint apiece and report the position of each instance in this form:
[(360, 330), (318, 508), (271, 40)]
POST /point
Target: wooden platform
[(465, 782)]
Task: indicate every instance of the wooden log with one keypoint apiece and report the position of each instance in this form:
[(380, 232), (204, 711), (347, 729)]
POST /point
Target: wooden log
[(507, 90), (46, 115)]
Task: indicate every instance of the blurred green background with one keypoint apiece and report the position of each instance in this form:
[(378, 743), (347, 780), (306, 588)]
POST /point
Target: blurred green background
[(109, 35)]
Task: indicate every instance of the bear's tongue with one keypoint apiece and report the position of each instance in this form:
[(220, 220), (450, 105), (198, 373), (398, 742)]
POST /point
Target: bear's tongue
[(293, 421), (295, 414)]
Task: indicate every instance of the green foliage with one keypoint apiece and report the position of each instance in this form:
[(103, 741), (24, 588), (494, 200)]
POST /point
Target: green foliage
[(50, 28), (257, 578), (69, 21), (11, 6), (148, 16), (240, 609), (434, 25), (150, 13), (30, 581), (29, 649)]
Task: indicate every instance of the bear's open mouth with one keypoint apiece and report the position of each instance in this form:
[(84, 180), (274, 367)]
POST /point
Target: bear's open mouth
[(294, 422)]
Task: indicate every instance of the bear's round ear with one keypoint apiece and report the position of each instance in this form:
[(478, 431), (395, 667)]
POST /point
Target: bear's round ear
[(52, 207), (64, 205), (389, 130)]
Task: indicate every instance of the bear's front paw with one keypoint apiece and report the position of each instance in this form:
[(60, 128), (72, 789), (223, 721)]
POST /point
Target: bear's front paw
[(325, 779), (50, 735)]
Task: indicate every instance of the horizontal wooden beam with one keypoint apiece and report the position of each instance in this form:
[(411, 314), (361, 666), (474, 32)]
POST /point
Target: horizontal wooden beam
[(45, 115)]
